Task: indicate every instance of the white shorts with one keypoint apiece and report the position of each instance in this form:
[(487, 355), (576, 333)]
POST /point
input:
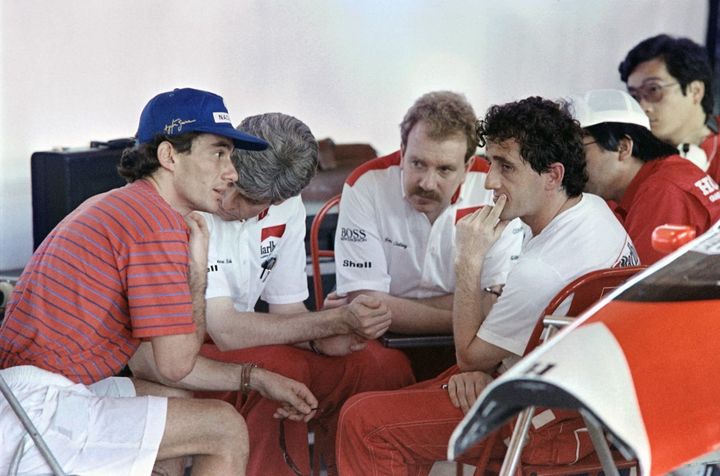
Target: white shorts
[(101, 429)]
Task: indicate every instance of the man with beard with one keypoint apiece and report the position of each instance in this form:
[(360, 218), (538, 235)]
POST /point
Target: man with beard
[(396, 229)]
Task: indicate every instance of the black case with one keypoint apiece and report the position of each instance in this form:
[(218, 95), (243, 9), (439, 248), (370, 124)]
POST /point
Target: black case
[(62, 180)]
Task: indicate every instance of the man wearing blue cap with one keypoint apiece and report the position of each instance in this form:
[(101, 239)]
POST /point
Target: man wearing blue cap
[(130, 265)]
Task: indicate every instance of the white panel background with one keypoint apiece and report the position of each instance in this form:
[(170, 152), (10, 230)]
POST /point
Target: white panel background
[(72, 71)]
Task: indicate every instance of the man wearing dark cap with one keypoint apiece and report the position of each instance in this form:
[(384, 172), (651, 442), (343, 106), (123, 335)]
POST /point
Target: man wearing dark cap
[(126, 266), (627, 164)]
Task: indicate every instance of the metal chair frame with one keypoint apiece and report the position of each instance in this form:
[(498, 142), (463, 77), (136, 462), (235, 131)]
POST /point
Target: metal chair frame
[(316, 253)]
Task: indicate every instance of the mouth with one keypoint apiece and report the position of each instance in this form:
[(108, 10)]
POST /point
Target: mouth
[(496, 197), (425, 196)]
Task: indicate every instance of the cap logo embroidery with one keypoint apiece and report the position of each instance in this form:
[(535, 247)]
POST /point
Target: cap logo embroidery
[(222, 117), (177, 123)]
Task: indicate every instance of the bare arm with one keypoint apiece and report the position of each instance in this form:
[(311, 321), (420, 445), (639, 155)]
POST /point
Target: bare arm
[(416, 316), (175, 354), (231, 329), (476, 233), (295, 398), (334, 345), (472, 305)]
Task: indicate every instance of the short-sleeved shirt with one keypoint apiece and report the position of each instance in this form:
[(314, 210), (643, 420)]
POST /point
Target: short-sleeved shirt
[(260, 257), (112, 272), (667, 191), (383, 244), (584, 238)]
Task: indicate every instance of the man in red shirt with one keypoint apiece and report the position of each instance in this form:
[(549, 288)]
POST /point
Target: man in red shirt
[(671, 78), (627, 164)]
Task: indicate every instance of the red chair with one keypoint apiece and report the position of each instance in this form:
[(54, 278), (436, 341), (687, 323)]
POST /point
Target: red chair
[(316, 253), (585, 291)]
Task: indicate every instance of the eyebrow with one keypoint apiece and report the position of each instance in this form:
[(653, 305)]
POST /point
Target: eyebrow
[(222, 143), (652, 78), (498, 158)]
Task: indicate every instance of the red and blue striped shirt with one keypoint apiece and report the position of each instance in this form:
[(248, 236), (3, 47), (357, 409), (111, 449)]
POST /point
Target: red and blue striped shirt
[(112, 272)]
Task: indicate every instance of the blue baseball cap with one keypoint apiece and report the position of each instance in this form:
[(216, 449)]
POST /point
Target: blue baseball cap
[(191, 110)]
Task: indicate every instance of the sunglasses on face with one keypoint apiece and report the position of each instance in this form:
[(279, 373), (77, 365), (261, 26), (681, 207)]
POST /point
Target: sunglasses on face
[(650, 92)]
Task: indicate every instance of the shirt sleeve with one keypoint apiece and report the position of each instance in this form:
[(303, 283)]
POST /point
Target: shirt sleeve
[(660, 205), (360, 261), (530, 286), (158, 292), (287, 281)]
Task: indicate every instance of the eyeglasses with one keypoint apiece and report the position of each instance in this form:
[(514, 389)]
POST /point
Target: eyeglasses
[(650, 92), (589, 142), (286, 456)]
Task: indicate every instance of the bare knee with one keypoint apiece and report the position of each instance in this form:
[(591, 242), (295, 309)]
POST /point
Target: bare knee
[(231, 432), (204, 427)]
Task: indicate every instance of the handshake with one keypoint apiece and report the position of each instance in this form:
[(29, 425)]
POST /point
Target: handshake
[(363, 319)]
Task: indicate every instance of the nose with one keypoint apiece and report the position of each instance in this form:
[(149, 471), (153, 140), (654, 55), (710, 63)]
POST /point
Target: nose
[(230, 174), (428, 181), (492, 179), (645, 105)]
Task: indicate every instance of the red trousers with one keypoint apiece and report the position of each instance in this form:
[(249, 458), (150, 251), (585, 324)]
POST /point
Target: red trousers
[(331, 379), (404, 432)]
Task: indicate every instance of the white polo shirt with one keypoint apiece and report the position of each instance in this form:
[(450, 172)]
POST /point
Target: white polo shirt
[(260, 257), (581, 239), (383, 244)]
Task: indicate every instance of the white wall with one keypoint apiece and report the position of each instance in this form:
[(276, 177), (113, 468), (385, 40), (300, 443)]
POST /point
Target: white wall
[(79, 70)]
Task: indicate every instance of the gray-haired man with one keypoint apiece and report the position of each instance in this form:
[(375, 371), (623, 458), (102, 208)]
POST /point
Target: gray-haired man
[(257, 251)]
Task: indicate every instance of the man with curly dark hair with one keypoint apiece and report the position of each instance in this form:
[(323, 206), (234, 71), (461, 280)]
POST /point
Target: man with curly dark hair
[(537, 174), (672, 80)]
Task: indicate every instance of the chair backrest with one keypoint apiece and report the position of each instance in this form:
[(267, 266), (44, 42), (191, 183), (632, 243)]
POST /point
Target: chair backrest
[(316, 253), (585, 291)]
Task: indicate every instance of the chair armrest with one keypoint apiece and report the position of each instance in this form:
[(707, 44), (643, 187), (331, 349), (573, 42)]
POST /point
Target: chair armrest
[(404, 341), (558, 321)]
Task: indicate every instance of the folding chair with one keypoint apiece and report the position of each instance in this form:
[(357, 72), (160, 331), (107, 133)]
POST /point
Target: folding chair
[(585, 291)]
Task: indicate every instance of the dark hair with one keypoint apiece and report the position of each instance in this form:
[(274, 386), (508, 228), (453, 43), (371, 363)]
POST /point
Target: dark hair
[(446, 113), (141, 161), (646, 146), (546, 134), (685, 60), (282, 170)]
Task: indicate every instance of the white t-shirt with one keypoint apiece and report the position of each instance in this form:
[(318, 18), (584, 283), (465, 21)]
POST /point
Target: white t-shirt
[(383, 244), (581, 239), (260, 257)]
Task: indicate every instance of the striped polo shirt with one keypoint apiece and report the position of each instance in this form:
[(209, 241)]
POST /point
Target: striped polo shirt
[(112, 272)]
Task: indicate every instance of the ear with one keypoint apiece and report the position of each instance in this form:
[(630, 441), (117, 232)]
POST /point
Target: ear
[(696, 90), (625, 147), (166, 155), (554, 176)]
